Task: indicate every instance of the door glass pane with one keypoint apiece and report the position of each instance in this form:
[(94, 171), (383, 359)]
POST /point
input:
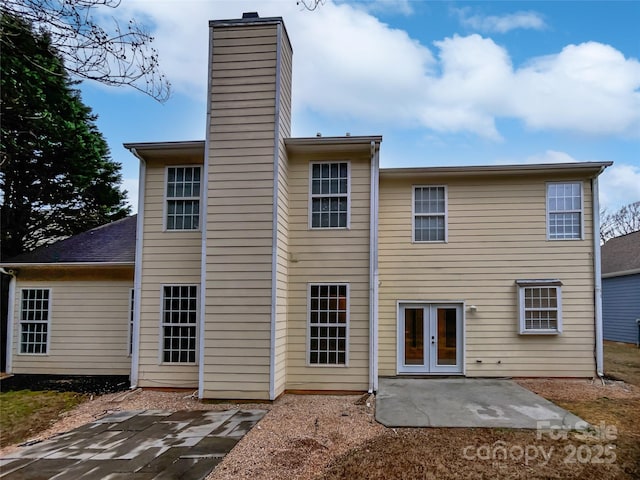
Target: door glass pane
[(414, 336), (447, 335)]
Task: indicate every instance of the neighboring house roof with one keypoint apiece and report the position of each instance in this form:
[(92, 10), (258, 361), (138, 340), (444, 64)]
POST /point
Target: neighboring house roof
[(621, 255), (111, 243)]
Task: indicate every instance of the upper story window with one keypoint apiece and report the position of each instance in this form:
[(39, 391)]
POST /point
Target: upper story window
[(564, 211), (34, 320), (329, 195), (183, 198), (430, 214), (540, 305)]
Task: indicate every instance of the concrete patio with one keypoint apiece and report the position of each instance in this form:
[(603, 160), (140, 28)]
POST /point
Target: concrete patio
[(137, 445), (466, 402)]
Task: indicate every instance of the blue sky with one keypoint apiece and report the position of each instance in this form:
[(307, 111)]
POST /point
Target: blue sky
[(445, 83)]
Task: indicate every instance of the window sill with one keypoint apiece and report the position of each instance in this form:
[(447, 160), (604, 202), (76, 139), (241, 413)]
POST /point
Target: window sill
[(540, 332), (178, 364), (314, 229), (316, 365)]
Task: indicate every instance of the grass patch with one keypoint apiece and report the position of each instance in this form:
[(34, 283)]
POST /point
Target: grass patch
[(622, 362), (24, 413)]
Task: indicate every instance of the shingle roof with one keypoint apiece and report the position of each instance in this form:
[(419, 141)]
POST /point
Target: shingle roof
[(114, 242), (621, 254)]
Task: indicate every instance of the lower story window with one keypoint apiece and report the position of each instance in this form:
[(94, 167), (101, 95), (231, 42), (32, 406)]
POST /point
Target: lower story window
[(34, 320), (179, 323), (540, 305), (328, 323)]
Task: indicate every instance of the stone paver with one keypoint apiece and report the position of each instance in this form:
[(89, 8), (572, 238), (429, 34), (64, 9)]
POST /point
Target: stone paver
[(138, 445)]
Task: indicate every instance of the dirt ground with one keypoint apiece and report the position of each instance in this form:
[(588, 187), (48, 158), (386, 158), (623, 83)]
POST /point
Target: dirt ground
[(331, 437), (622, 361), (609, 451)]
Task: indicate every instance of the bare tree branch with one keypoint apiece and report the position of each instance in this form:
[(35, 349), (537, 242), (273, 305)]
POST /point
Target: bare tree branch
[(119, 56), (310, 5), (624, 221)]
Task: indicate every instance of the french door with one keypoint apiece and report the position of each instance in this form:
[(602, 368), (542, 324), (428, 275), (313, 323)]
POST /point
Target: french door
[(430, 338)]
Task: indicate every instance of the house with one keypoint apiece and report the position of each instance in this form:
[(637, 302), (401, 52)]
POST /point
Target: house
[(266, 263), (621, 288)]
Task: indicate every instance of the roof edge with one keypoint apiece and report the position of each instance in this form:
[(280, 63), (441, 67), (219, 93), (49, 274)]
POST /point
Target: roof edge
[(344, 140), (595, 167), (175, 145), (257, 20), (621, 273), (41, 265)]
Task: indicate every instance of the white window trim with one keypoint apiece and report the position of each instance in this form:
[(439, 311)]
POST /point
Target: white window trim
[(161, 324), (413, 214), (347, 329), (581, 211), (130, 345), (463, 343), (166, 198), (545, 283), (311, 196), (20, 322)]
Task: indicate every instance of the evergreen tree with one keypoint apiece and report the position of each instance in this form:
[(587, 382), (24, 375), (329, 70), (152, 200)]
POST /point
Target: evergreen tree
[(56, 174)]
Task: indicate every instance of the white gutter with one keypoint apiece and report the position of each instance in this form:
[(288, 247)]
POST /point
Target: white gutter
[(274, 222), (373, 268), (597, 276), (137, 275), (10, 317), (204, 196)]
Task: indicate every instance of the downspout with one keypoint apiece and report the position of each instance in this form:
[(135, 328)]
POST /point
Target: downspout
[(204, 193), (373, 269), (274, 221), (597, 276), (10, 316), (137, 277)]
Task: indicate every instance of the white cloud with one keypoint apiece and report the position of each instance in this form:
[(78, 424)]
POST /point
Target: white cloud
[(619, 186), (501, 23), (349, 64), (551, 156), (131, 186), (589, 88)]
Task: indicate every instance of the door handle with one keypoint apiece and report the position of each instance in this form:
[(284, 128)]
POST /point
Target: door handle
[(433, 340)]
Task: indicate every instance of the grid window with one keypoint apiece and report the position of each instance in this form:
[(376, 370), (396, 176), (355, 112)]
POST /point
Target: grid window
[(429, 214), (183, 198), (328, 312), (564, 207), (179, 321), (34, 321), (540, 308), (329, 195)]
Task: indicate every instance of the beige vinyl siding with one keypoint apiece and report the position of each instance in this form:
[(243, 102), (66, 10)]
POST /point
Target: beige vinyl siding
[(328, 256), (88, 325), (282, 260), (239, 223), (496, 235), (168, 258)]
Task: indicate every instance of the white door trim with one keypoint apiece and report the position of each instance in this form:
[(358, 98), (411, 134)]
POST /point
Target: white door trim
[(429, 367)]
